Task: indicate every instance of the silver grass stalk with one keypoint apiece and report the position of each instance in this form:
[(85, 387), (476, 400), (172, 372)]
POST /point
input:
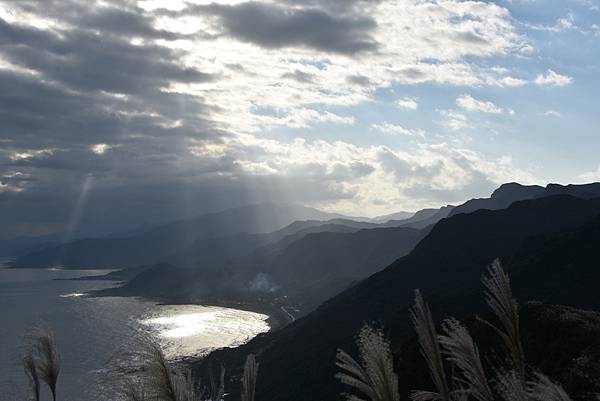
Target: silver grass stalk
[(32, 375), (511, 387), (500, 299), (164, 382), (374, 376), (460, 349), (144, 373), (430, 349), (249, 378), (543, 389), (216, 391), (46, 358), (130, 390)]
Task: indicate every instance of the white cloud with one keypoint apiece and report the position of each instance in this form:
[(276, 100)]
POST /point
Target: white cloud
[(454, 120), (590, 176), (552, 78), (469, 103), (100, 148), (408, 103), (562, 24), (394, 129), (30, 154), (512, 82), (301, 118), (14, 181), (552, 113)]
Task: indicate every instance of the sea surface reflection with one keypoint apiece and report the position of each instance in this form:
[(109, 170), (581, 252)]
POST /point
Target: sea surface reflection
[(194, 330)]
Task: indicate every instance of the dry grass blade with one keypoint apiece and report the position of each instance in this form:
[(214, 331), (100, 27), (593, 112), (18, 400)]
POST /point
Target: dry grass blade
[(459, 348), (46, 357), (249, 378), (32, 375), (500, 299), (374, 377), (420, 395), (430, 349), (543, 389)]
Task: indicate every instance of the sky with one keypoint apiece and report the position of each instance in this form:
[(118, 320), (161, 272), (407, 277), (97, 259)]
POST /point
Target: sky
[(116, 114)]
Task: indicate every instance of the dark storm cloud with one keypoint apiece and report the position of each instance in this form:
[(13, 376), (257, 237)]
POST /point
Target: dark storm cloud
[(115, 18), (36, 115), (86, 61), (274, 27)]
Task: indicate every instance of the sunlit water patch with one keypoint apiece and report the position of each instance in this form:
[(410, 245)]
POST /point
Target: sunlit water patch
[(72, 295), (186, 330)]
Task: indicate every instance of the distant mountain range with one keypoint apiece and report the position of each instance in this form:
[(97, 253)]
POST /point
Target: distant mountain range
[(152, 245), (142, 247), (549, 246)]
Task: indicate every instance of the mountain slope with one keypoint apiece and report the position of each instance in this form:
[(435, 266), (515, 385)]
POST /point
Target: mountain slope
[(297, 361), (306, 267), (422, 218)]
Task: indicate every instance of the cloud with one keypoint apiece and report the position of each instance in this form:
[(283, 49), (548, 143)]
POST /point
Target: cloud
[(552, 113), (444, 173), (409, 103), (469, 103), (274, 27), (552, 78), (192, 108), (561, 25), (590, 176), (394, 129), (14, 181), (100, 148), (454, 120)]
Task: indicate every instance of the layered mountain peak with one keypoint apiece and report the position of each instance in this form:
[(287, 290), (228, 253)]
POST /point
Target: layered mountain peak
[(508, 193), (514, 190)]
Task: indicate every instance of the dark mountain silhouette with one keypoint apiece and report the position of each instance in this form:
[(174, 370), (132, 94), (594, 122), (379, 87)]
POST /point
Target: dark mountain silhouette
[(151, 246), (297, 361), (506, 194)]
